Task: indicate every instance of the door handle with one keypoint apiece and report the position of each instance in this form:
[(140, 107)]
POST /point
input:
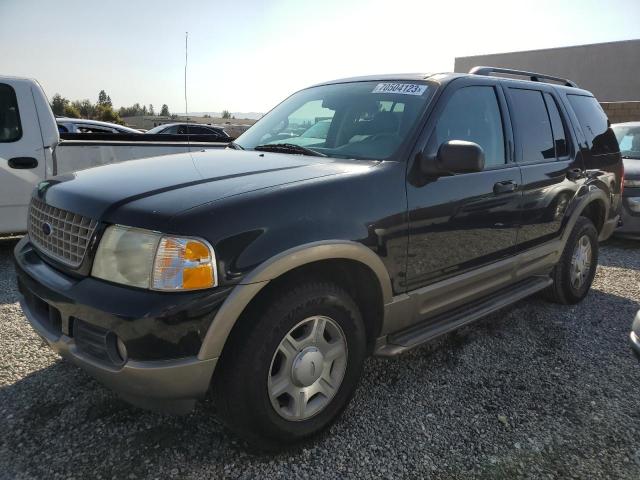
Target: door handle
[(507, 186), (23, 163), (574, 174)]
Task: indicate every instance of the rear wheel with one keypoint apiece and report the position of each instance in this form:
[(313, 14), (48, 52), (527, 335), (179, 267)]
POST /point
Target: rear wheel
[(292, 367), (574, 273)]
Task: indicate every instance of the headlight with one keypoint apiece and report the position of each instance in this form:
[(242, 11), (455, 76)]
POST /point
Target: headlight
[(631, 183), (146, 259)]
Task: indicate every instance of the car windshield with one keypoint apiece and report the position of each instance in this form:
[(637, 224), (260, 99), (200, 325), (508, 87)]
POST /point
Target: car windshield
[(629, 139), (362, 120)]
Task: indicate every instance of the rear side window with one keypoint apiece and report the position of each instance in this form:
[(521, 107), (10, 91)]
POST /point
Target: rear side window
[(533, 125), (473, 114), (595, 124), (559, 132), (170, 130), (10, 128), (200, 131)]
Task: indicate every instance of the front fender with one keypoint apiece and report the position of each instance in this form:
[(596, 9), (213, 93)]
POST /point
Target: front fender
[(256, 280)]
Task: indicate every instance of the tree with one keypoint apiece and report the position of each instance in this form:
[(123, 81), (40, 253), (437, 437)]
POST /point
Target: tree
[(107, 114), (104, 99), (226, 114), (58, 102), (85, 108), (70, 110), (164, 111), (151, 112)]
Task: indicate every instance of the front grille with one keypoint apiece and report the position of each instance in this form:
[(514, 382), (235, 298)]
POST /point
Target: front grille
[(60, 234)]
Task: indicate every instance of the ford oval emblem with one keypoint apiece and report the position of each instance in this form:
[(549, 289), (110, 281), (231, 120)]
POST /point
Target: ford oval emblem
[(47, 229)]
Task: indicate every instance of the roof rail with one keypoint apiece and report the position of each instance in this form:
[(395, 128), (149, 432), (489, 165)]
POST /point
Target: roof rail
[(534, 77)]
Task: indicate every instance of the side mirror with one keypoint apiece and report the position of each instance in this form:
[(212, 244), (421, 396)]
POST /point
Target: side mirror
[(454, 156)]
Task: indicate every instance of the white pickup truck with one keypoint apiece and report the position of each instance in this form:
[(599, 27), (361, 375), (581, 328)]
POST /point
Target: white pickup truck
[(31, 149)]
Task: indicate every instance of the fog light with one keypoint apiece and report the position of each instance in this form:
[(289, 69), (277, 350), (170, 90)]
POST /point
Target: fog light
[(634, 204), (122, 350)]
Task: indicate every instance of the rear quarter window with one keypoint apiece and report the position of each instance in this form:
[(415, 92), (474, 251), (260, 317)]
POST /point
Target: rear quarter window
[(595, 124), (10, 127)]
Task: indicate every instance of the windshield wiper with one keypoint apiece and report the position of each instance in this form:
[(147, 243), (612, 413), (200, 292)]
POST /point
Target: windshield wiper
[(288, 148), (234, 145), (630, 157)]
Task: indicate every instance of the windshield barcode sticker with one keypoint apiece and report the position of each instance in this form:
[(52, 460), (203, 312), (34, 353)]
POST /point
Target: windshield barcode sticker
[(402, 88)]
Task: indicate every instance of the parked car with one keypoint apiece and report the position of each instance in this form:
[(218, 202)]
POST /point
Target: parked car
[(270, 271), (188, 129), (628, 135), (77, 125), (31, 149)]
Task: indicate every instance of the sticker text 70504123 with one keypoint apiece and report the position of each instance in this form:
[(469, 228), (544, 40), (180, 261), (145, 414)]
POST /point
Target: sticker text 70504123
[(402, 88)]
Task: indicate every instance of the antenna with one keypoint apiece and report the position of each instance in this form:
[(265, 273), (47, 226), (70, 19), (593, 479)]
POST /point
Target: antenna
[(186, 57), (186, 105)]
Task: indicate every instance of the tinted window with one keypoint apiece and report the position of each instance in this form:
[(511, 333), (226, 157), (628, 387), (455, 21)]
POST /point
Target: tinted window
[(10, 129), (201, 131), (595, 124), (94, 129), (170, 130), (559, 132), (533, 125), (472, 114)]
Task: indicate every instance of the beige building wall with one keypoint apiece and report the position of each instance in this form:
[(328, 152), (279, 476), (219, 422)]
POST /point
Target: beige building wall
[(611, 71), (619, 112)]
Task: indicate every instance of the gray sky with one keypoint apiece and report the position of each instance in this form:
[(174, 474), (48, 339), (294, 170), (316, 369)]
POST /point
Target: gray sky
[(248, 55)]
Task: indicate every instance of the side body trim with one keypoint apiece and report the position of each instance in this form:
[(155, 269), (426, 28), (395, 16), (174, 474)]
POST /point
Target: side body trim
[(432, 300)]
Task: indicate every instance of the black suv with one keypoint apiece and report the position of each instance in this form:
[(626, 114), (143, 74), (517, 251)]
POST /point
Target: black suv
[(271, 269)]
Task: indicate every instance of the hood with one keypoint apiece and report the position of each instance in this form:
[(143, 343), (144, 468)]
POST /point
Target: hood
[(153, 190), (631, 168)]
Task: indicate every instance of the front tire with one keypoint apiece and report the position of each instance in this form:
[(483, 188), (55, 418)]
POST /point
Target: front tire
[(574, 273), (292, 366)]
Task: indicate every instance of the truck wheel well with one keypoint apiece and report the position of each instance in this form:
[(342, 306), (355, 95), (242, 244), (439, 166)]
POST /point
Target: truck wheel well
[(595, 211), (355, 277)]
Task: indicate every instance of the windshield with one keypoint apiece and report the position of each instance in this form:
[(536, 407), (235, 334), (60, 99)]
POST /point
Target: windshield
[(362, 120), (629, 140)]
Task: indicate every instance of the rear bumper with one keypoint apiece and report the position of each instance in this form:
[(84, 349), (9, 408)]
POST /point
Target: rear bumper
[(57, 305), (630, 222)]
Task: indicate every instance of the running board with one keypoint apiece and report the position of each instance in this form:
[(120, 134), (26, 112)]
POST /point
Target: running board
[(431, 328)]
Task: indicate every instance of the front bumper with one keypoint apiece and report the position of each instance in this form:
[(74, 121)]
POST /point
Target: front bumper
[(153, 327)]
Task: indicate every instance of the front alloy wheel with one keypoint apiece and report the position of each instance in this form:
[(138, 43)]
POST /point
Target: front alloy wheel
[(307, 368), (292, 365)]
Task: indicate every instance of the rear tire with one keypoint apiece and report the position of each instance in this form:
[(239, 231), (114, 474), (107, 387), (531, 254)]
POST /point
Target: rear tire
[(574, 273), (285, 345)]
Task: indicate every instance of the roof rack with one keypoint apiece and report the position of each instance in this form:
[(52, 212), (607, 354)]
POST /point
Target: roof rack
[(534, 77)]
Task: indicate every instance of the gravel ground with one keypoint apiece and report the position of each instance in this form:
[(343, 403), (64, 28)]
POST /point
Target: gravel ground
[(535, 391)]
